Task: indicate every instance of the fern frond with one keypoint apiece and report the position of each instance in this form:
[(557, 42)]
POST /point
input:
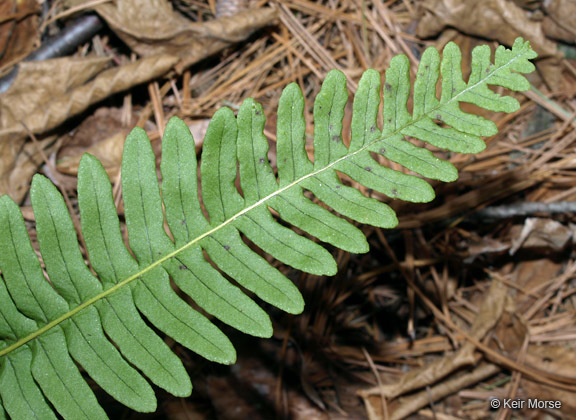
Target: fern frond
[(45, 327)]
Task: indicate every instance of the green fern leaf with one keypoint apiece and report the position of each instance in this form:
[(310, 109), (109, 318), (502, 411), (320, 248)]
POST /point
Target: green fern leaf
[(45, 327)]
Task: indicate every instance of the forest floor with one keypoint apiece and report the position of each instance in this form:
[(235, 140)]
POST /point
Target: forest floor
[(470, 300)]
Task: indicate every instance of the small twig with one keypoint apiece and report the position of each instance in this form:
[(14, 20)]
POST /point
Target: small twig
[(524, 209)]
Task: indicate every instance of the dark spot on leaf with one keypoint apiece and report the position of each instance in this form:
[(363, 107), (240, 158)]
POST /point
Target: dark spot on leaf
[(453, 90), (329, 113), (426, 66), (438, 117), (336, 137), (330, 127), (488, 70), (183, 222), (382, 151), (183, 267), (387, 86), (394, 192), (261, 160), (338, 187), (258, 113), (372, 129), (227, 247), (390, 120), (368, 168)]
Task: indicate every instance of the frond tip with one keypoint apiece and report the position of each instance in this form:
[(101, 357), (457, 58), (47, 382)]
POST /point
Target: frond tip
[(46, 329)]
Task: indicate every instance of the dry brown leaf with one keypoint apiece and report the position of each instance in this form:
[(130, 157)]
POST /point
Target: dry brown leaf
[(18, 29), (560, 360), (39, 83), (152, 27), (499, 20), (35, 86), (47, 93), (510, 332), (102, 134), (537, 274), (19, 161), (535, 233), (559, 24), (108, 152), (43, 105), (540, 233)]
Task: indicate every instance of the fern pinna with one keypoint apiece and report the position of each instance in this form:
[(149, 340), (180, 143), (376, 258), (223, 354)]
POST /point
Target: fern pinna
[(48, 327)]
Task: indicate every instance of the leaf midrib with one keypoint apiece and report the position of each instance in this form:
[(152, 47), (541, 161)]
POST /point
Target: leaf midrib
[(260, 202)]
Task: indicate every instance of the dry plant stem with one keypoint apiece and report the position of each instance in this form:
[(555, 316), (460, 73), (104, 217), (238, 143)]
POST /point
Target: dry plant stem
[(422, 399), (156, 99), (186, 93), (149, 108), (117, 191)]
